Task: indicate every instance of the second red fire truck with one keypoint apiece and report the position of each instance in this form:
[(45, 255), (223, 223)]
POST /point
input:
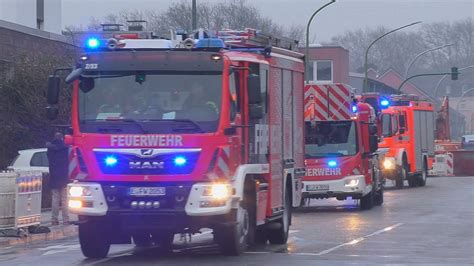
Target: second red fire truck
[(341, 152), (171, 136)]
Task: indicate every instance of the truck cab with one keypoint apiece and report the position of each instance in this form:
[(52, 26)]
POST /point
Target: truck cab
[(340, 146)]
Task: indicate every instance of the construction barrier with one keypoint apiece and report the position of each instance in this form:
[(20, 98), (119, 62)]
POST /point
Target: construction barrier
[(463, 162), (20, 199), (443, 165)]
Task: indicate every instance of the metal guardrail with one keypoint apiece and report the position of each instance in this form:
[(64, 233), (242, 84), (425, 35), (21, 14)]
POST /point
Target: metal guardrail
[(20, 199)]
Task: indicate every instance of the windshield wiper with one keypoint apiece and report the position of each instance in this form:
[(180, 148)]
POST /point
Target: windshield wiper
[(195, 126), (324, 154), (114, 120)]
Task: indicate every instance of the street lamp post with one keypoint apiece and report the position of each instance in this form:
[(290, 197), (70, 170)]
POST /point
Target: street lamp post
[(372, 43), (307, 38), (443, 77), (194, 16), (422, 53)]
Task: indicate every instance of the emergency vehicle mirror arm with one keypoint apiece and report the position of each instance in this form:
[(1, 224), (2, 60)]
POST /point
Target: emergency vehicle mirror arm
[(75, 74)]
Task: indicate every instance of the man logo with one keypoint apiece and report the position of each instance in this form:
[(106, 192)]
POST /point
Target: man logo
[(146, 165), (146, 152)]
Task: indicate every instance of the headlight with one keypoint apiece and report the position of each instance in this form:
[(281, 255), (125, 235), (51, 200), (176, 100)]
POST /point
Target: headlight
[(351, 182), (218, 191), (389, 163), (76, 191), (75, 204)]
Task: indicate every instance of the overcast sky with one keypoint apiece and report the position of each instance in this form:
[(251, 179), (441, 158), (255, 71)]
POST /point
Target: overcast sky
[(335, 19)]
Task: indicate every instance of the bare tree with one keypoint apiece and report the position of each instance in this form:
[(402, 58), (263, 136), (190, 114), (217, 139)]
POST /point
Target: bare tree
[(396, 50)]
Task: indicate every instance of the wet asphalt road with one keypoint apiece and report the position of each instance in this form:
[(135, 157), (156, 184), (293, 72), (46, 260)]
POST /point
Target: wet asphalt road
[(427, 225)]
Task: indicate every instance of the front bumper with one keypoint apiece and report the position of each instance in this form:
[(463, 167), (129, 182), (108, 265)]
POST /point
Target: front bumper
[(180, 200), (337, 188)]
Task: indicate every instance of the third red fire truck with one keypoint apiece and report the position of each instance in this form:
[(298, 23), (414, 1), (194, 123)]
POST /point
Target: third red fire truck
[(341, 152), (408, 133)]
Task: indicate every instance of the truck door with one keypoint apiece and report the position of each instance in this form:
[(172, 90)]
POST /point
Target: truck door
[(258, 130)]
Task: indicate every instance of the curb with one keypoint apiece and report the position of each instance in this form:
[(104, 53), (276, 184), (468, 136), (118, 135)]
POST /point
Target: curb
[(55, 234)]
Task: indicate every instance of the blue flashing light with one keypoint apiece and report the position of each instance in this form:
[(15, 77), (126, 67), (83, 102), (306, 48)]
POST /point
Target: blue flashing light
[(180, 161), (93, 43), (354, 109), (110, 161), (384, 103), (332, 163), (210, 43)]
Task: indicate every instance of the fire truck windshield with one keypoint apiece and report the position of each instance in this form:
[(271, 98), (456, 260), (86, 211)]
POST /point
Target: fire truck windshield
[(330, 139), (153, 102)]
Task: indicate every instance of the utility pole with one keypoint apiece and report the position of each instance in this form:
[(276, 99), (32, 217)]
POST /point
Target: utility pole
[(194, 16)]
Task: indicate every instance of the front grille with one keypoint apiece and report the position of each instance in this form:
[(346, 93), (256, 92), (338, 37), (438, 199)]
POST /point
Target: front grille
[(118, 198), (160, 164)]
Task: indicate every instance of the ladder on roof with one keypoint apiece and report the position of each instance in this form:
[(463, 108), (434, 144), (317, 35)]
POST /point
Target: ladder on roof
[(408, 97), (251, 38)]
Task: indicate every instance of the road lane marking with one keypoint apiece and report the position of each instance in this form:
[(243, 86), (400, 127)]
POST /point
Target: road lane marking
[(59, 249), (357, 240)]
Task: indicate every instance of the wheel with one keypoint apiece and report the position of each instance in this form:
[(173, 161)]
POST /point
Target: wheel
[(421, 178), (232, 239), (142, 239), (257, 234), (164, 241), (93, 242), (378, 198), (280, 234), (412, 181), (403, 175), (367, 201)]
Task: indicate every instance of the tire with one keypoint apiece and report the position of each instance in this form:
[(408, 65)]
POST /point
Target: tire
[(94, 244), (232, 239), (378, 198), (412, 181), (142, 239), (280, 236), (421, 178), (402, 176), (367, 201), (257, 234)]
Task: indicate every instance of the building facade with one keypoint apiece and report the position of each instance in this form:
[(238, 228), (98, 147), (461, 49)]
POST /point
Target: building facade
[(37, 14), (328, 64)]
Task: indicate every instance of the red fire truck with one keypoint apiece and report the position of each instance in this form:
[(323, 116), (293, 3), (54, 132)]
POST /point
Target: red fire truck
[(172, 136), (408, 133), (341, 139)]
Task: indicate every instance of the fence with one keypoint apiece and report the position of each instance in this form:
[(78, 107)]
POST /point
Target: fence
[(20, 199)]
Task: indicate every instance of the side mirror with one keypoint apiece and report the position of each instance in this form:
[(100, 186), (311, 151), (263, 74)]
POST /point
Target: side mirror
[(372, 129), (253, 87), (52, 95), (255, 111), (52, 112), (401, 131), (373, 143), (233, 110), (86, 84)]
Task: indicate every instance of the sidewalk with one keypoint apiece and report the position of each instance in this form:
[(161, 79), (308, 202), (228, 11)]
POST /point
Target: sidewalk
[(57, 232)]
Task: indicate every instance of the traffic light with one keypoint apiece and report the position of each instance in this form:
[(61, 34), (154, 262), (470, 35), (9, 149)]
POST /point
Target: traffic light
[(454, 73)]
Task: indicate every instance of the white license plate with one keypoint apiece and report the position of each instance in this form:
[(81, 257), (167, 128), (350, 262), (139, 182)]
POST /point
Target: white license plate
[(147, 191), (317, 187)]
